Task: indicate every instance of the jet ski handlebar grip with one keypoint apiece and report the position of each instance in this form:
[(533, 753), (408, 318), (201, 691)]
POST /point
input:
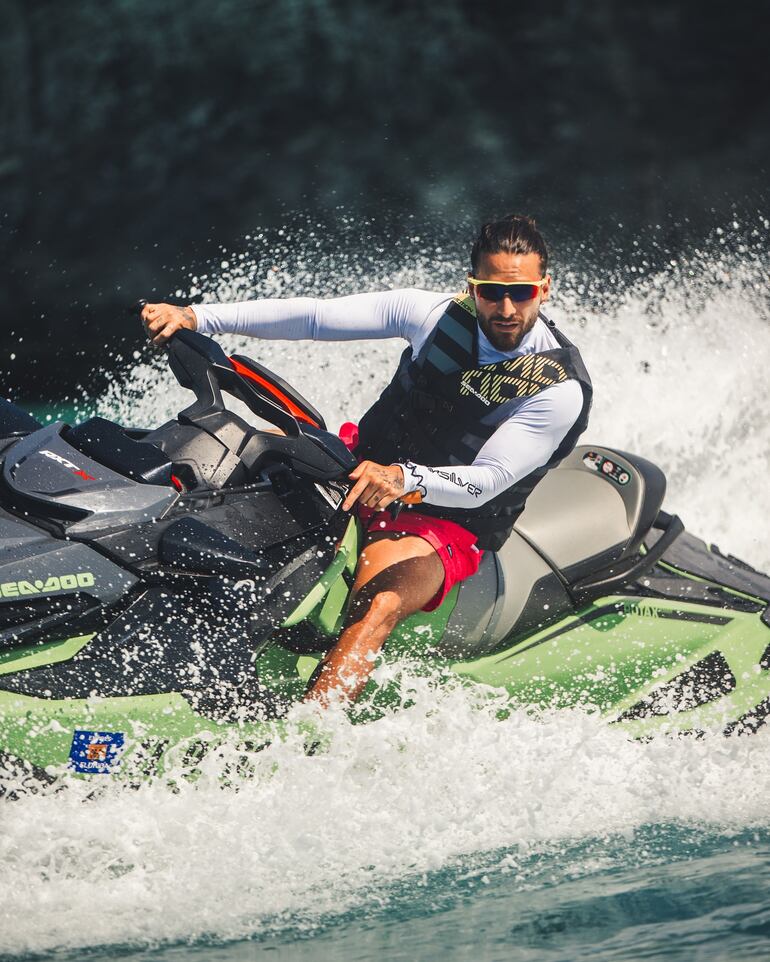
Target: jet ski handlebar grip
[(413, 497), (138, 306)]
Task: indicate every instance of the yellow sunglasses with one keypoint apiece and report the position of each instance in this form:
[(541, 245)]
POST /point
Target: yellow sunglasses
[(518, 291)]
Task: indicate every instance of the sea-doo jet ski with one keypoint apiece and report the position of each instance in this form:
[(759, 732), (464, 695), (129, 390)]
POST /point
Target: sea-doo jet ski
[(162, 587)]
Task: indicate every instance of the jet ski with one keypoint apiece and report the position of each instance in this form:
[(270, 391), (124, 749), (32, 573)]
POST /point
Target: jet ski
[(164, 589)]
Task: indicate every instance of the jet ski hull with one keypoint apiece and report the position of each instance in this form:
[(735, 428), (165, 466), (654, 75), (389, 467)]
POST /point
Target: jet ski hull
[(165, 592), (649, 665)]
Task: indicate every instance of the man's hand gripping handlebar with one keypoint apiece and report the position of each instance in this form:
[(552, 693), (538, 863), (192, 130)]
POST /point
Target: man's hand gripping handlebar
[(379, 486), (162, 321)]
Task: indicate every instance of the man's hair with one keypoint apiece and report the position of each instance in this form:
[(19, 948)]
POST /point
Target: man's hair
[(514, 234)]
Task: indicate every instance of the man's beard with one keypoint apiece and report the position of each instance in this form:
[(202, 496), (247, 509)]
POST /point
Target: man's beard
[(506, 340)]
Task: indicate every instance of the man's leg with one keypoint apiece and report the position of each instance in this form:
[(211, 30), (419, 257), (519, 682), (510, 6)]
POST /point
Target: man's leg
[(396, 576)]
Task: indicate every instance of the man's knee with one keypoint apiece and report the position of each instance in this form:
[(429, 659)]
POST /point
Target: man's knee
[(381, 607)]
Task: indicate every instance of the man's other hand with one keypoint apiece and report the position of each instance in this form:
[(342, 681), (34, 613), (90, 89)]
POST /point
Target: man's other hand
[(163, 320), (376, 485)]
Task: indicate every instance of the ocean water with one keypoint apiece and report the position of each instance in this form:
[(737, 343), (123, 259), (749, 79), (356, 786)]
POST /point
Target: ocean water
[(442, 832)]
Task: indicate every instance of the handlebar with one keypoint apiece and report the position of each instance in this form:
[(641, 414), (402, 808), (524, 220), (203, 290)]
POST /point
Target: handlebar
[(200, 364)]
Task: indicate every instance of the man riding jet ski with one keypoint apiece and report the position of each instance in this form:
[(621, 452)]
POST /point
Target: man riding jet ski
[(167, 589), (488, 397)]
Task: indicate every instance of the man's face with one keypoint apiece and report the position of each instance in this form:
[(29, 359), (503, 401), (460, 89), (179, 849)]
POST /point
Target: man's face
[(505, 322)]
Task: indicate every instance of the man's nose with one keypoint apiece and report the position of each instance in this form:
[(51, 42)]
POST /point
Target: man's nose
[(507, 306)]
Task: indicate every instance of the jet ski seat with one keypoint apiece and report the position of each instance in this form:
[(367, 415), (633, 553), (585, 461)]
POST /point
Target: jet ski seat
[(595, 508), (591, 511)]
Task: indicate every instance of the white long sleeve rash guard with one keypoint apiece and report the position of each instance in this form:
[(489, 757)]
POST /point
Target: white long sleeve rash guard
[(533, 427)]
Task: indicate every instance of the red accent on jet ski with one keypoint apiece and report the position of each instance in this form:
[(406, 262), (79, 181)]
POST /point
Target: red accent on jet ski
[(286, 402), (177, 483)]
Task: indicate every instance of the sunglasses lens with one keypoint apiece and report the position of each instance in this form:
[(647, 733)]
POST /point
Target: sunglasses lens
[(518, 293), (491, 292), (522, 292)]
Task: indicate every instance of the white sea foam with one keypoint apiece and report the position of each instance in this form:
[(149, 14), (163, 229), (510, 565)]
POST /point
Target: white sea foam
[(314, 836), (679, 360)]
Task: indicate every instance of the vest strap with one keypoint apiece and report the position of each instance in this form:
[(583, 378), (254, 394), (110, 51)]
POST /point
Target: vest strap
[(454, 343)]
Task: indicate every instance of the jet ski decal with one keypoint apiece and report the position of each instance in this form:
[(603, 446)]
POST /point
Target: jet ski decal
[(16, 589), (53, 456), (95, 753)]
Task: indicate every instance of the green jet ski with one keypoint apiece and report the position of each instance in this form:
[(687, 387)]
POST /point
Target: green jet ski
[(164, 590)]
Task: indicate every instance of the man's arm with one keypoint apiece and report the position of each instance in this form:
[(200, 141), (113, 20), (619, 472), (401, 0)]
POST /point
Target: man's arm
[(400, 313), (520, 445)]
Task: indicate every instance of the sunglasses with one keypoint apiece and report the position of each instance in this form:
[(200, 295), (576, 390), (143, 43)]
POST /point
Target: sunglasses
[(518, 292)]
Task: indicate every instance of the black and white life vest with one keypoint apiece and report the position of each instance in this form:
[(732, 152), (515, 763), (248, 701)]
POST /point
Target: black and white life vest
[(439, 410)]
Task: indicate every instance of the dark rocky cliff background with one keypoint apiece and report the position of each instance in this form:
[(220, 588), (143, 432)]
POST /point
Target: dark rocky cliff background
[(138, 137)]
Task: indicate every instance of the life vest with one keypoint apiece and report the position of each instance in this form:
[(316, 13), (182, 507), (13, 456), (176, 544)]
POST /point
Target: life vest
[(440, 409)]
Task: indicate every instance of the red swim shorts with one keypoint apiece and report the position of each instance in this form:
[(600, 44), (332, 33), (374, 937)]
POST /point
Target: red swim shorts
[(455, 545)]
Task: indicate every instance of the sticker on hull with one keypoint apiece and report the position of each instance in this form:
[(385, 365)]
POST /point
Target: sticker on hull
[(95, 753), (16, 589)]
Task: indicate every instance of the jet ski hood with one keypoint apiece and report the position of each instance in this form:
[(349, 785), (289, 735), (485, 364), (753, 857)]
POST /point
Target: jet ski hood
[(45, 475)]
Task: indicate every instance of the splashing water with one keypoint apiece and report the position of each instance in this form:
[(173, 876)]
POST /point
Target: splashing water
[(443, 787), (425, 810), (678, 355)]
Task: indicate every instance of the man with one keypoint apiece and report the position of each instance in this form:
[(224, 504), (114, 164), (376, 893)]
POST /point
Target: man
[(488, 396)]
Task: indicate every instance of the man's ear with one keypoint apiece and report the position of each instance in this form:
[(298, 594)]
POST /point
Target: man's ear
[(545, 290)]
